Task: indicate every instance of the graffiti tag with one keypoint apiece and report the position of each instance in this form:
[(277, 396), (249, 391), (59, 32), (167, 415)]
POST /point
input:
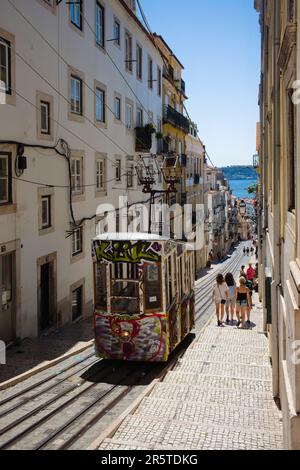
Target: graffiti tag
[(127, 252)]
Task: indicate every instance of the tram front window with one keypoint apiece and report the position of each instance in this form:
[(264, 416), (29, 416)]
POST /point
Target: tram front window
[(125, 289), (153, 289), (100, 286)]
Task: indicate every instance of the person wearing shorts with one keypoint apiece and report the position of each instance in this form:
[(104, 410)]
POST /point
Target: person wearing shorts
[(230, 306), (220, 297), (243, 301)]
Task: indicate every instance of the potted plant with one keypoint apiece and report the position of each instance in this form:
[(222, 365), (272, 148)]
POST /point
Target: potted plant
[(159, 135), (150, 129)]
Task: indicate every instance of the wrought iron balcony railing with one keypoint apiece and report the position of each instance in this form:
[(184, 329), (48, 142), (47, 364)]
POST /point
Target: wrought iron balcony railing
[(143, 141), (256, 161), (176, 119), (196, 179)]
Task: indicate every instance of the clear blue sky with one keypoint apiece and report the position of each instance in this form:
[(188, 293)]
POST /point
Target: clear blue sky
[(218, 42)]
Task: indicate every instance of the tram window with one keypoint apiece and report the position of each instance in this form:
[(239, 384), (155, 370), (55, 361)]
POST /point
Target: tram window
[(179, 278), (125, 289), (100, 286), (166, 284), (182, 270), (187, 269), (153, 296), (174, 273), (170, 287)]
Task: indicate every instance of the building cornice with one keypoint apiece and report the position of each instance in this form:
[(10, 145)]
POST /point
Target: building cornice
[(288, 42)]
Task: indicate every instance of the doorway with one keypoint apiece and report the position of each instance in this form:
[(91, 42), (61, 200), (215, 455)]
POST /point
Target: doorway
[(47, 293), (77, 301), (7, 297)]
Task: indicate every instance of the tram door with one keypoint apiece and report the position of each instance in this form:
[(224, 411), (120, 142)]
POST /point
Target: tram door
[(7, 292)]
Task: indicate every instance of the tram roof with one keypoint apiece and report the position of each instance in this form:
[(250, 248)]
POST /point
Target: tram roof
[(130, 236)]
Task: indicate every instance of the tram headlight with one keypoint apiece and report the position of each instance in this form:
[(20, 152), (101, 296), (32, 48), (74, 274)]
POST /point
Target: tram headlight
[(125, 335)]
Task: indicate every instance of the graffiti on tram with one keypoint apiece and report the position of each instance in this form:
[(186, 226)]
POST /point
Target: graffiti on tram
[(127, 251), (136, 339)]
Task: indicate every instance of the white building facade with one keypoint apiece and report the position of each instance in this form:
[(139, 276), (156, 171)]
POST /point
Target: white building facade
[(89, 74)]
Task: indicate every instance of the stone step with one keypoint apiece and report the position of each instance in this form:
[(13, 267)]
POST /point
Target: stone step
[(225, 414), (203, 394), (190, 435), (220, 369), (222, 354), (235, 383)]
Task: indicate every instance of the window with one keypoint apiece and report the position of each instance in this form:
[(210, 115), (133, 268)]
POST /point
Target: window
[(76, 12), (118, 169), (128, 52), (291, 10), (46, 212), (77, 297), (117, 33), (158, 81), (100, 25), (124, 288), (129, 116), (150, 73), (153, 296), (76, 175), (139, 118), (45, 118), (5, 66), (292, 151), (100, 286), (100, 175), (139, 62), (130, 176), (100, 105), (5, 179), (76, 95), (118, 108), (77, 241)]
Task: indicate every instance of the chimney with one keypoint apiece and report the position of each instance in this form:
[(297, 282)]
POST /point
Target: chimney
[(131, 4)]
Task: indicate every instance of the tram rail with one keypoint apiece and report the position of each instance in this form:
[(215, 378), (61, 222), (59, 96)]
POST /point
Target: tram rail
[(70, 401)]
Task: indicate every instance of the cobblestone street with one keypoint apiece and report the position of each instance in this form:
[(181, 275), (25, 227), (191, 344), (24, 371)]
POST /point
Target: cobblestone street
[(219, 396)]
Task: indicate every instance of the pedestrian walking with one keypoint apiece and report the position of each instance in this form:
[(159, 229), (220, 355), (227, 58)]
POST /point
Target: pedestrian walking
[(248, 251), (243, 272), (230, 306), (220, 297), (251, 273), (250, 285), (243, 301), (244, 250)]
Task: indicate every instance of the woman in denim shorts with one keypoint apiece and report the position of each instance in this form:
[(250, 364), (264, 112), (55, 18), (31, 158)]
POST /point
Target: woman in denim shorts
[(243, 301)]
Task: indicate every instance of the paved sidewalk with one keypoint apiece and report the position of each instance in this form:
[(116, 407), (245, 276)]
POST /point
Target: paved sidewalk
[(219, 397), (34, 352)]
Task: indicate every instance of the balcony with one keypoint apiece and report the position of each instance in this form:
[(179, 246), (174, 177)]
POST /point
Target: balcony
[(183, 86), (176, 119), (256, 161), (183, 199), (196, 178), (143, 140), (183, 160)]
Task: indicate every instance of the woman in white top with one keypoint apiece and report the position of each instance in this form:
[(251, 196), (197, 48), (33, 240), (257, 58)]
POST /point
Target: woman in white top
[(220, 297)]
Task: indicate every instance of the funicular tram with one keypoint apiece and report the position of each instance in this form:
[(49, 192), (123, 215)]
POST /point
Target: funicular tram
[(144, 296)]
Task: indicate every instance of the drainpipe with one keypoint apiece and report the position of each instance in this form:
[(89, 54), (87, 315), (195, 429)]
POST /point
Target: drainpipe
[(276, 196)]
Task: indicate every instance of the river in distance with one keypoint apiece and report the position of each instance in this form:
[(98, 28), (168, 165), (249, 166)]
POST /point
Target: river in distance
[(240, 188)]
